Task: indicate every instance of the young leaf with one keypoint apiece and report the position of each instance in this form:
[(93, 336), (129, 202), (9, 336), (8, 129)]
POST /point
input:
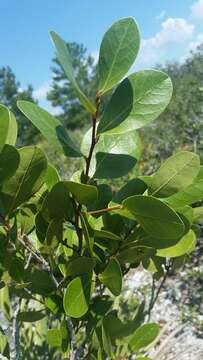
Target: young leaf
[(183, 246), (50, 127), (77, 296), (66, 63), (156, 218), (27, 180), (118, 51), (9, 161), (176, 173), (144, 336), (136, 102), (8, 127), (112, 277)]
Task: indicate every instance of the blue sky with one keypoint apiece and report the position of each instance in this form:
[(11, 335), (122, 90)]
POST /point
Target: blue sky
[(169, 30)]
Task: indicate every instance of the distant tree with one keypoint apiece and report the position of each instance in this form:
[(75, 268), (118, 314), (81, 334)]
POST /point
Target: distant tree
[(10, 92), (62, 94), (181, 125)]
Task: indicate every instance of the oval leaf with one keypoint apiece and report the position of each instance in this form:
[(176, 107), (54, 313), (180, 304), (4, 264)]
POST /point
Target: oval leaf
[(8, 127), (144, 336), (156, 218), (136, 102), (83, 193), (176, 173), (77, 297), (118, 51), (135, 254), (9, 161)]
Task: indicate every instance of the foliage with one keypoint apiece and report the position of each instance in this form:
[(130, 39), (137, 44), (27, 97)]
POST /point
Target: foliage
[(66, 245), (181, 125), (10, 93)]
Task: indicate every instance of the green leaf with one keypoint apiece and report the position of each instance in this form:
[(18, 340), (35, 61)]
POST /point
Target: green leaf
[(198, 214), (54, 233), (8, 127), (132, 187), (135, 254), (80, 266), (106, 341), (52, 177), (111, 166), (136, 102), (176, 173), (66, 63), (31, 316), (156, 218), (88, 233), (183, 246), (77, 296), (54, 337), (144, 336), (188, 196), (9, 161), (119, 48), (59, 195), (27, 180), (115, 155), (111, 277), (50, 127), (84, 194), (40, 282)]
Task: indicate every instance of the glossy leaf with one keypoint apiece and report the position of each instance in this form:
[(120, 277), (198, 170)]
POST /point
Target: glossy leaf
[(118, 51), (9, 161), (176, 173), (156, 218), (183, 246), (50, 127), (66, 63), (144, 336), (77, 297), (111, 277), (8, 127), (136, 102), (115, 155), (27, 180)]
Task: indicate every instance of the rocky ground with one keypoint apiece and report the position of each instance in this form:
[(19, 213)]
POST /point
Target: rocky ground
[(181, 336)]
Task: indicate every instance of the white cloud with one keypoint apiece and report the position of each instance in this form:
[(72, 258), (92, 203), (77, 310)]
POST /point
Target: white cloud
[(42, 91), (193, 45), (161, 16), (197, 9), (173, 31)]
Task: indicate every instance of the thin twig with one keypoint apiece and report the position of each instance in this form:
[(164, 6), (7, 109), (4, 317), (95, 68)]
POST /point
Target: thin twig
[(101, 211)]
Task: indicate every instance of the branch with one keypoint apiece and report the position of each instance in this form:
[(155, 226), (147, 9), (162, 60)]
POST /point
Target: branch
[(101, 211)]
